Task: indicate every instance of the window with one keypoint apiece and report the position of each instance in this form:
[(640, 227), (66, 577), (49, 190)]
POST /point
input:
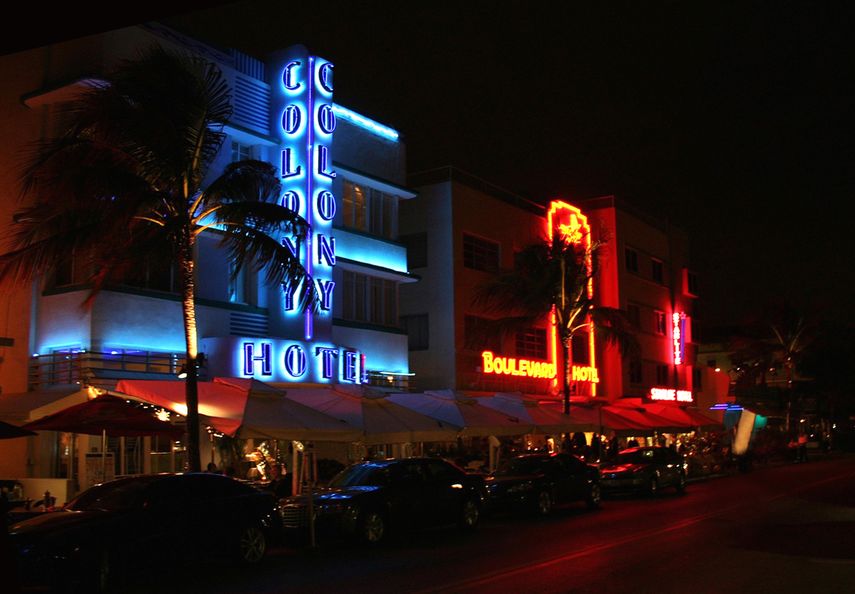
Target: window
[(581, 349), (416, 243), (662, 375), (418, 331), (633, 314), (240, 151), (697, 379), (659, 318), (532, 343), (479, 335), (369, 299), (631, 259), (480, 254), (635, 371), (369, 210), (690, 283), (657, 271), (237, 284)]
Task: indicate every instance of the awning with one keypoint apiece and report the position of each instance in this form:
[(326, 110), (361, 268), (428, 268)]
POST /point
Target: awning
[(475, 416), (667, 418), (543, 417)]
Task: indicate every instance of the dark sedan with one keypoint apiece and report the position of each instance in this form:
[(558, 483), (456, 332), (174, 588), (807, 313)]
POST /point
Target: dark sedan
[(538, 482), (370, 499), (112, 529), (645, 469)]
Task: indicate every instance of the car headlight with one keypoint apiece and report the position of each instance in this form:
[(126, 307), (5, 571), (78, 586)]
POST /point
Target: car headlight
[(520, 488)]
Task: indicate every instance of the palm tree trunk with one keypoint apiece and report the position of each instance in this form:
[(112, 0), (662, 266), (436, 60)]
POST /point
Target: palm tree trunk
[(191, 393), (567, 344)]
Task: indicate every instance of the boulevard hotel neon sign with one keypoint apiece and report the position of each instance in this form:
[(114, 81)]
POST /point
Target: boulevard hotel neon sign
[(574, 228), (303, 120)]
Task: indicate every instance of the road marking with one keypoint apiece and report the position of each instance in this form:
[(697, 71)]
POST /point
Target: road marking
[(563, 557)]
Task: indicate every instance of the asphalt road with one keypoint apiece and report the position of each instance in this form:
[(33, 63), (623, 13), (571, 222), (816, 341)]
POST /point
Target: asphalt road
[(779, 529)]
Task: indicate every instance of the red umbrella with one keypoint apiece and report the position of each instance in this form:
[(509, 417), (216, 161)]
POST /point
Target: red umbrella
[(8, 431), (108, 415)]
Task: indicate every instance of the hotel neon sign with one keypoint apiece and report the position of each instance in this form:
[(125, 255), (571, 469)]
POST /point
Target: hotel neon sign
[(678, 336)]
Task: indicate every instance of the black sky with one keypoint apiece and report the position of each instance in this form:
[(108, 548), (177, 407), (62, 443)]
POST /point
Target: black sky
[(734, 120)]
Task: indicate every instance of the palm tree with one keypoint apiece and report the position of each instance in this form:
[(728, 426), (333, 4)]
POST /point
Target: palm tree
[(792, 337), (126, 184), (552, 276)]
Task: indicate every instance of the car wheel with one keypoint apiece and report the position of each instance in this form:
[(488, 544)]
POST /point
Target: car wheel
[(470, 515), (252, 545), (594, 496), (681, 483), (544, 503), (372, 527), (653, 487)]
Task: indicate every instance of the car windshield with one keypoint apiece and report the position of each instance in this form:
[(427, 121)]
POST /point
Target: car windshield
[(112, 496), (360, 475), (637, 457), (516, 466)]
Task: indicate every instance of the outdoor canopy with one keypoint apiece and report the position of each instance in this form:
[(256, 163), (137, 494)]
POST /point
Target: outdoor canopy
[(543, 419), (8, 431), (471, 414), (244, 408)]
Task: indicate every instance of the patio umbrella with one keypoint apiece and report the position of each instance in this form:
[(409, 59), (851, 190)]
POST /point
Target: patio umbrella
[(379, 419), (8, 431), (543, 419), (471, 414), (106, 416), (245, 408)]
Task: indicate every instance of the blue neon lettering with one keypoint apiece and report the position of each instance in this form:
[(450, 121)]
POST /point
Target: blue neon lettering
[(325, 76), (295, 361), (288, 242), (291, 118), (326, 289), (323, 162), (290, 200), (287, 77), (350, 365), (326, 250), (326, 360), (326, 205), (326, 118), (287, 163), (288, 289), (250, 358)]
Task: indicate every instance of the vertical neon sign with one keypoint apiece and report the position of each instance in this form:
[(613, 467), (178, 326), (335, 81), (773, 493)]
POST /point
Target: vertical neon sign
[(305, 121), (678, 336), (574, 228)]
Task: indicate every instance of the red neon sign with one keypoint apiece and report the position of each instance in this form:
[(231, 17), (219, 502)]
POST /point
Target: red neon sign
[(678, 330), (671, 395), (532, 368)]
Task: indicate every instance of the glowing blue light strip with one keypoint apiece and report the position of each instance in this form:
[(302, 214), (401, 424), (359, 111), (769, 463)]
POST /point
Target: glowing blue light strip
[(363, 122)]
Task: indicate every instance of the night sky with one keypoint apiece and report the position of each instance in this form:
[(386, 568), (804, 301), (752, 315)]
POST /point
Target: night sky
[(735, 121)]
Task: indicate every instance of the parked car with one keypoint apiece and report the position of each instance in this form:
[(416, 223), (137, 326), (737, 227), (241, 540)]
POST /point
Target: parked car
[(370, 499), (644, 469), (114, 528), (538, 482)]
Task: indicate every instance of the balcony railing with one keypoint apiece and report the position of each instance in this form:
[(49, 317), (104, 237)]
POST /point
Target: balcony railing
[(85, 366)]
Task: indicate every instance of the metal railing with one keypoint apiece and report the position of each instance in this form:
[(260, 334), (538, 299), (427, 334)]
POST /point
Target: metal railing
[(79, 367)]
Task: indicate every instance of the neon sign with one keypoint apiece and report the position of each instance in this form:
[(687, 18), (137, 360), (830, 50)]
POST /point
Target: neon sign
[(573, 227), (670, 395), (678, 336), (293, 361), (305, 118), (499, 365)]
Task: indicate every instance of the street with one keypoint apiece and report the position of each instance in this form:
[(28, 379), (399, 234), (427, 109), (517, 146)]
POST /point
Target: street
[(777, 529)]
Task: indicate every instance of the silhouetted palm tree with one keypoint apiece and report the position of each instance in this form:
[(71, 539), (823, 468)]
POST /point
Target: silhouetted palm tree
[(126, 183), (553, 276)]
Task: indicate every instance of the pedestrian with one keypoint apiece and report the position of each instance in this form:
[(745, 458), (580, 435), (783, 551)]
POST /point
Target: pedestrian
[(803, 439)]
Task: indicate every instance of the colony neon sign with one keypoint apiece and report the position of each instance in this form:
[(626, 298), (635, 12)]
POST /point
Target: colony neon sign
[(678, 336), (670, 395), (305, 121)]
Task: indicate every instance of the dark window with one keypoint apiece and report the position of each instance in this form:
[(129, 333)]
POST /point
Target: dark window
[(633, 314), (240, 151), (662, 375), (697, 379), (532, 343), (480, 254), (417, 256), (635, 371), (631, 259), (418, 333), (657, 271), (478, 334), (659, 317), (691, 283), (368, 210), (581, 349), (369, 299)]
